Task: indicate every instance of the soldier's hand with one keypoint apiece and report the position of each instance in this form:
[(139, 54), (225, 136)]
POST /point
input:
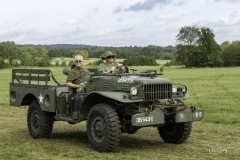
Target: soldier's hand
[(120, 65), (83, 84), (81, 87), (123, 69), (112, 69)]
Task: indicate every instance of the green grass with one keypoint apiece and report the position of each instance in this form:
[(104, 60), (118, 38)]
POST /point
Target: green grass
[(215, 90)]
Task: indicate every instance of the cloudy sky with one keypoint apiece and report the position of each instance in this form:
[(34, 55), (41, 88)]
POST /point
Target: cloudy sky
[(115, 22)]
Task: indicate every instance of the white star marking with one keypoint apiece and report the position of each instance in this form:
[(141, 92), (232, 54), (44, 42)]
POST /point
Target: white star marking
[(181, 115), (40, 98)]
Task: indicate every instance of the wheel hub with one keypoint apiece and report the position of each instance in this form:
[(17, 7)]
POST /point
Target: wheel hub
[(171, 128), (99, 129), (35, 121)]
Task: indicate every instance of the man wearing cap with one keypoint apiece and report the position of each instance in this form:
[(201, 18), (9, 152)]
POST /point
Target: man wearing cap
[(110, 66), (79, 72)]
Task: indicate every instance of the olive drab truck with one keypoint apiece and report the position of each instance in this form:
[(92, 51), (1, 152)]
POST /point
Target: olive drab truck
[(111, 104)]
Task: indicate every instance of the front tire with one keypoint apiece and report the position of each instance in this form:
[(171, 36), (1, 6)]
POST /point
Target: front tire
[(175, 133), (40, 123), (103, 128)]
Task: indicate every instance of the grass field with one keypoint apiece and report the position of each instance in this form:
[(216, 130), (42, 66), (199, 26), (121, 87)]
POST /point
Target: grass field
[(87, 61), (215, 90)]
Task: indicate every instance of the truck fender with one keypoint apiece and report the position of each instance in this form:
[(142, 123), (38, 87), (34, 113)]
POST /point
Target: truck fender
[(96, 97), (119, 96), (27, 99)]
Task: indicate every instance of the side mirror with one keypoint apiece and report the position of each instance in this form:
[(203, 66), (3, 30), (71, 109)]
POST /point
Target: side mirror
[(126, 69), (65, 71), (161, 69), (133, 70)]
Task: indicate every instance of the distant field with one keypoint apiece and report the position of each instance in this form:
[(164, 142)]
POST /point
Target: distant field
[(215, 90), (87, 61)]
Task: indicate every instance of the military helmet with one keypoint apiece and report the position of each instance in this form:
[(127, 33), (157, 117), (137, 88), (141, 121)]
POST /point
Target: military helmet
[(107, 53)]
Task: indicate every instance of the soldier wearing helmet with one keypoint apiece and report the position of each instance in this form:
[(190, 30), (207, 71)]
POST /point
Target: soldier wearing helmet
[(110, 66)]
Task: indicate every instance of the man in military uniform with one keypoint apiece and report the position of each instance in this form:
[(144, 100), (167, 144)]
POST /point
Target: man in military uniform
[(80, 72), (110, 66)]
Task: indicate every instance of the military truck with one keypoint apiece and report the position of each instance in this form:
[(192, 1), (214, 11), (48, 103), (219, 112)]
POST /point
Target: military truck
[(111, 104)]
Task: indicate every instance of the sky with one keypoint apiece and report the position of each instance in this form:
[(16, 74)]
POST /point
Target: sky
[(115, 23)]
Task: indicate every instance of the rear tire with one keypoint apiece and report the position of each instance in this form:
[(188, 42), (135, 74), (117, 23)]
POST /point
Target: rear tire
[(103, 128), (40, 123), (175, 133)]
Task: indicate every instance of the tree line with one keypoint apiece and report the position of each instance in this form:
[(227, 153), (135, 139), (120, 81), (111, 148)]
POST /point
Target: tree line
[(41, 56), (195, 47), (158, 52)]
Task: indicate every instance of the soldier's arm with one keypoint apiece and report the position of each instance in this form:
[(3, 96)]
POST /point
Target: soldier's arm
[(71, 85), (102, 70), (69, 81)]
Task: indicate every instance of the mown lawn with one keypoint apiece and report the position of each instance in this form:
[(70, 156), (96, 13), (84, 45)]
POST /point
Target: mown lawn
[(215, 90)]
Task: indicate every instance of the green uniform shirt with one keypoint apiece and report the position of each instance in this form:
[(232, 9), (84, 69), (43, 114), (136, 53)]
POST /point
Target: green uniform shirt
[(81, 73), (103, 67)]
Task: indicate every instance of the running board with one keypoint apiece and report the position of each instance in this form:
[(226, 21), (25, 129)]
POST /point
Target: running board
[(65, 119)]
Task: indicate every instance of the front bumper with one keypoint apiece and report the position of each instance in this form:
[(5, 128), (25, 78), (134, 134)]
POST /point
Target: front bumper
[(157, 117)]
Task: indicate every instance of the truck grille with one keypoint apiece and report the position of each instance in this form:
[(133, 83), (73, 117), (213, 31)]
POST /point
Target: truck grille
[(157, 91)]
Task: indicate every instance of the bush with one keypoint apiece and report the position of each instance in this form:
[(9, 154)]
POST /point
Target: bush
[(2, 63), (140, 61), (70, 63), (173, 63), (57, 63), (63, 64), (167, 64), (43, 62), (96, 62)]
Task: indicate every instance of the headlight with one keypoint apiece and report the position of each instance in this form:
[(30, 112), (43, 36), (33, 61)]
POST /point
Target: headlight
[(179, 88), (133, 90), (174, 89)]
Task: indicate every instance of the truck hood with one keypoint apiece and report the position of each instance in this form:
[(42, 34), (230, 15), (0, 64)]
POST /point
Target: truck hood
[(143, 80), (132, 79)]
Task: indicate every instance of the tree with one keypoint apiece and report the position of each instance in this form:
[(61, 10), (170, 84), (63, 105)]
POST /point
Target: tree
[(32, 56), (2, 63), (188, 35), (53, 53), (210, 50), (29, 56), (26, 59), (41, 52), (83, 53), (231, 54), (43, 61), (1, 47), (10, 51), (198, 48), (158, 52), (224, 45)]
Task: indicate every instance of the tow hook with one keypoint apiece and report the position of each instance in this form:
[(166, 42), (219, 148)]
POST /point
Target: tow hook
[(147, 112), (193, 108)]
